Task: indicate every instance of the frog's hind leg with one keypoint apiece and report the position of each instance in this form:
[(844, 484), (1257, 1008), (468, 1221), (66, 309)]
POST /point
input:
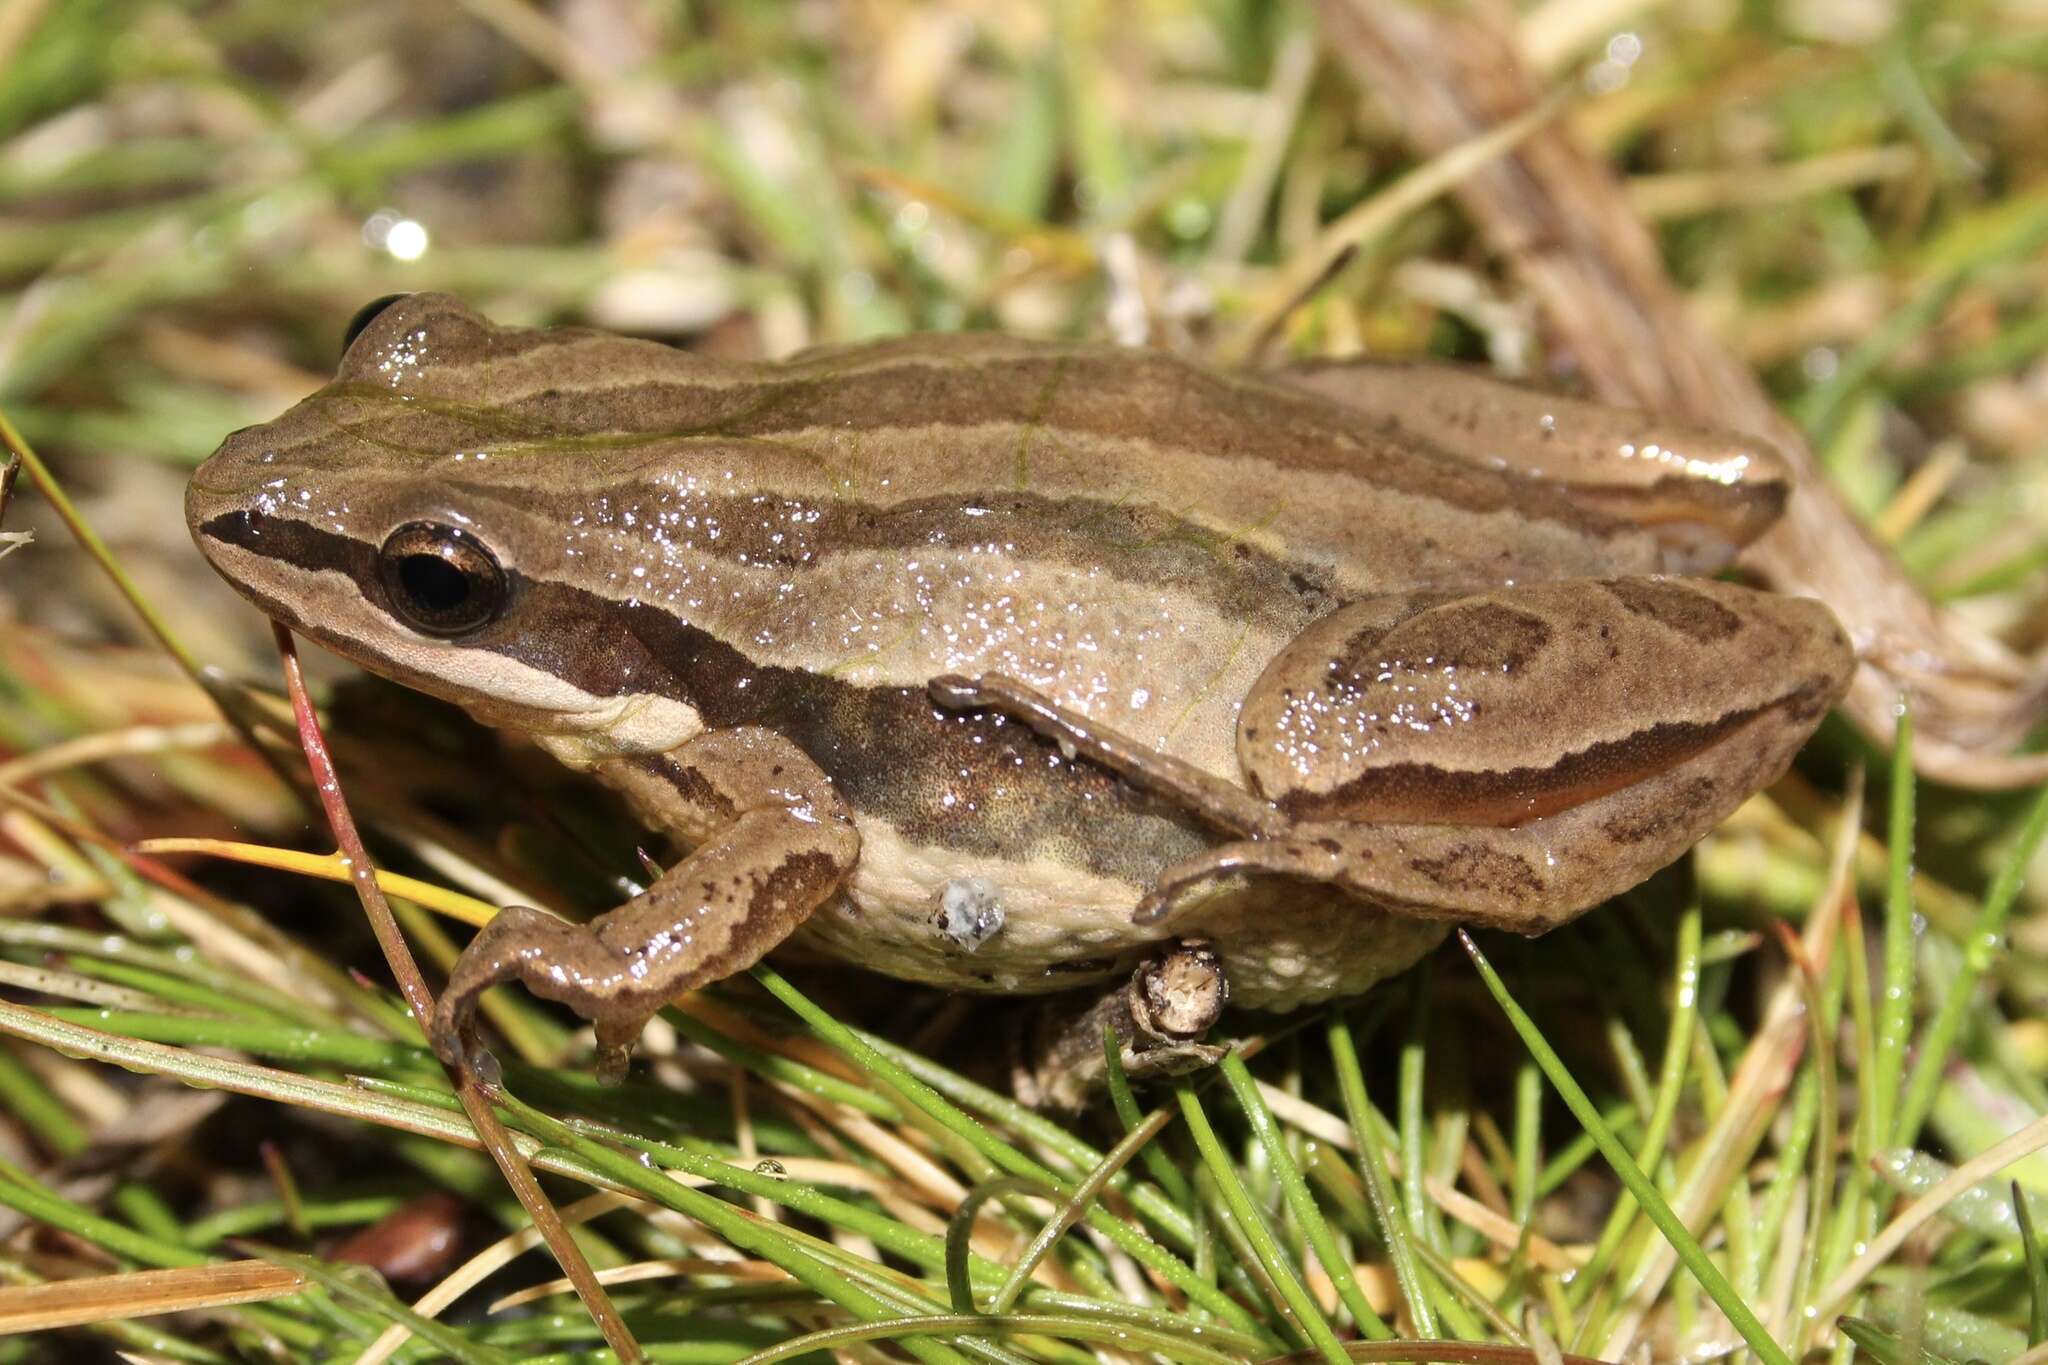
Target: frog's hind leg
[(1508, 758)]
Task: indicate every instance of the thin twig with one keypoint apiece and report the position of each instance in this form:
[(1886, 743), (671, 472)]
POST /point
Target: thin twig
[(490, 1132)]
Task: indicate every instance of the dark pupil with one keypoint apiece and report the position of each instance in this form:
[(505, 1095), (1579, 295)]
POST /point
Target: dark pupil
[(433, 584)]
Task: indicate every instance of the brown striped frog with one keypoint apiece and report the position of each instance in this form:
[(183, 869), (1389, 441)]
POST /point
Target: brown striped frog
[(1006, 665)]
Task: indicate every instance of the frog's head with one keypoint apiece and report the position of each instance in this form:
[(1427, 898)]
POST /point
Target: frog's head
[(414, 517)]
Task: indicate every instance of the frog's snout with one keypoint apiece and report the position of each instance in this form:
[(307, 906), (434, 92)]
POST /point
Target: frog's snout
[(223, 526), (230, 481)]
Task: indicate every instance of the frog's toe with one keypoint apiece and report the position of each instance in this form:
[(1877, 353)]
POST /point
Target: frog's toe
[(1176, 888), (1304, 854), (955, 691), (451, 1034), (615, 1040), (444, 1032), (483, 1064)]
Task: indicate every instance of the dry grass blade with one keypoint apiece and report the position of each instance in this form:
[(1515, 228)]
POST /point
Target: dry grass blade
[(128, 743), (141, 1294), (480, 1267), (1446, 1352), (330, 867), (1309, 268), (1502, 1230), (1761, 1081), (1915, 1215), (1682, 193), (756, 1272)]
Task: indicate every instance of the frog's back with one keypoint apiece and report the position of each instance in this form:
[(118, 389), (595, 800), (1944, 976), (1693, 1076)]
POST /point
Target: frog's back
[(1132, 533), (1231, 458)]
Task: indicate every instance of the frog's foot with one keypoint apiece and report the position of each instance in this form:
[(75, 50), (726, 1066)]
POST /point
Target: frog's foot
[(1158, 1018), (1226, 806), (1312, 853), (519, 944)]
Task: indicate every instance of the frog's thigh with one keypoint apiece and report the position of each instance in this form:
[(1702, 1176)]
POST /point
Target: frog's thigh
[(1502, 707), (1512, 758), (1525, 878)]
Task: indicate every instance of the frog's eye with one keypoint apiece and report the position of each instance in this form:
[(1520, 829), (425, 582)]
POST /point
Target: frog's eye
[(441, 579), (366, 315)]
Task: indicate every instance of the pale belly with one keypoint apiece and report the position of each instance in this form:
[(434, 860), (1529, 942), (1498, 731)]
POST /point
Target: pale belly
[(981, 924)]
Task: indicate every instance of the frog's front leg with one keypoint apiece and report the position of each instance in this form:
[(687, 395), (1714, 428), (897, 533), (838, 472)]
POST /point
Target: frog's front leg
[(1508, 757), (773, 840)]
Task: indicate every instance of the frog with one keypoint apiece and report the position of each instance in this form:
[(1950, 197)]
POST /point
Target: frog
[(1010, 666)]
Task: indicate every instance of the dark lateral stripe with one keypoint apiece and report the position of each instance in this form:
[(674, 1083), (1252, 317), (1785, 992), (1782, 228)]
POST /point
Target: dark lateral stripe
[(1421, 793), (1740, 512), (303, 546), (977, 784)]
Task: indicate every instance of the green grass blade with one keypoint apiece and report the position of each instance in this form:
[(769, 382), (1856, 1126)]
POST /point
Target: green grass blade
[(1294, 1298), (871, 1060), (1981, 948), (1300, 1201), (2037, 1271), (1670, 1085), (358, 1289), (1739, 1313), (1372, 1166), (1895, 1002)]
